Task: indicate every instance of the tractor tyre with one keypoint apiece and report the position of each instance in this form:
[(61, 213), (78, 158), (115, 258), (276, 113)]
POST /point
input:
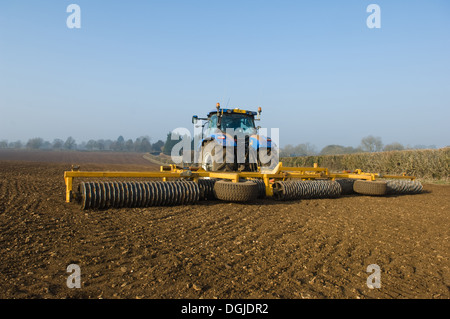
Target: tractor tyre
[(268, 158), (208, 154), (377, 188), (403, 187), (261, 186), (236, 192)]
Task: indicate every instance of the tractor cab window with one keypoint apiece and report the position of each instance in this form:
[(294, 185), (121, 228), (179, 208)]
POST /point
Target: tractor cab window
[(238, 122), (212, 122), (211, 128)]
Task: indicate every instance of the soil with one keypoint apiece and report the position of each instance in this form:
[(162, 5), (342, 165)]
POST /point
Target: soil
[(317, 248)]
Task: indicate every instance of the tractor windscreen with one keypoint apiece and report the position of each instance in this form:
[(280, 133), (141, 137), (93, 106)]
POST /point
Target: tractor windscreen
[(238, 122)]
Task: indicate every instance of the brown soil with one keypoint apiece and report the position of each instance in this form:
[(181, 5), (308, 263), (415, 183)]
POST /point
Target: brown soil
[(266, 249)]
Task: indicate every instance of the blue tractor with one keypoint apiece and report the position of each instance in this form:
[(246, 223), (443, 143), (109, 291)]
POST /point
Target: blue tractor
[(230, 141)]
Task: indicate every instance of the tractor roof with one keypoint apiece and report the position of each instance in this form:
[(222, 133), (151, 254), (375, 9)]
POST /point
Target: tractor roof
[(231, 111)]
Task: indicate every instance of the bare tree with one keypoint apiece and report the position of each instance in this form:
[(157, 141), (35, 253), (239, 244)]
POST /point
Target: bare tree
[(338, 149), (119, 145), (304, 149), (158, 146), (35, 143), (70, 143), (57, 144), (394, 147), (91, 145), (129, 146), (101, 145), (371, 144), (15, 145)]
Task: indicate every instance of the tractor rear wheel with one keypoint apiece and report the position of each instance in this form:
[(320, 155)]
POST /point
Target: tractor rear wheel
[(236, 192)]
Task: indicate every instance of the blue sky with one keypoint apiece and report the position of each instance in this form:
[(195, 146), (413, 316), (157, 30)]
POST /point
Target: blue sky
[(145, 67)]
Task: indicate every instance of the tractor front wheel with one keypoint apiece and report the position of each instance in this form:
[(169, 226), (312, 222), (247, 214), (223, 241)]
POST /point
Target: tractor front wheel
[(208, 156), (236, 192)]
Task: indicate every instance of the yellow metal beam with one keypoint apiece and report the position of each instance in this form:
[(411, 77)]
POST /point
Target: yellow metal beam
[(399, 177), (68, 181), (368, 177), (122, 174)]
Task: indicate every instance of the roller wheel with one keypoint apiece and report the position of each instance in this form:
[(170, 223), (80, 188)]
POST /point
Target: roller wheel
[(346, 185), (403, 187), (294, 189), (236, 192), (261, 187), (377, 188), (206, 187), (101, 195)]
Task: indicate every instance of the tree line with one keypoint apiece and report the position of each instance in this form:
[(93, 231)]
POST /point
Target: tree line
[(369, 144), (141, 144)]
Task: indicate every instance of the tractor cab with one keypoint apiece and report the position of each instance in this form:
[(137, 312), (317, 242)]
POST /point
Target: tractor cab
[(230, 119), (222, 120)]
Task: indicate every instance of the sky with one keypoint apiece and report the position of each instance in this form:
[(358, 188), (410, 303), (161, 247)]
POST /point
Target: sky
[(143, 68)]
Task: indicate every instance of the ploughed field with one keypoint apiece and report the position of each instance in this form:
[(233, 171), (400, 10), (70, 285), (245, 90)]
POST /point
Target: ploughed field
[(317, 248)]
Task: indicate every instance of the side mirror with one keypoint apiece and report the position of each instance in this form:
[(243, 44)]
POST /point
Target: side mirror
[(194, 119)]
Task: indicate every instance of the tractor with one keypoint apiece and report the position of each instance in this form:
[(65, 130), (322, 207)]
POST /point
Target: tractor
[(237, 165), (230, 141)]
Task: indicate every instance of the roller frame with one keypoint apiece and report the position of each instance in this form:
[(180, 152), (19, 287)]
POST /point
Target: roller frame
[(279, 173)]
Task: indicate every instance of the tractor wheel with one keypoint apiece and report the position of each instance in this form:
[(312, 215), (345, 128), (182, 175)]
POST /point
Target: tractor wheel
[(261, 186), (236, 192), (377, 188), (268, 158), (208, 154)]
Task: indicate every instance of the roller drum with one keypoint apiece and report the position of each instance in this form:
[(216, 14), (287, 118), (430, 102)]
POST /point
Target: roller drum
[(101, 195), (293, 190)]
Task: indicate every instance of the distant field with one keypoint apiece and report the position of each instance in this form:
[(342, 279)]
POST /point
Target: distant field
[(74, 157)]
